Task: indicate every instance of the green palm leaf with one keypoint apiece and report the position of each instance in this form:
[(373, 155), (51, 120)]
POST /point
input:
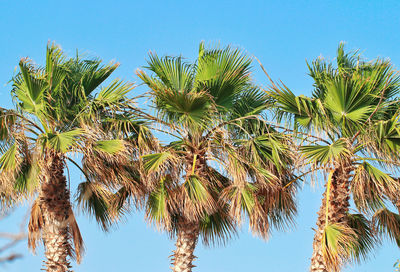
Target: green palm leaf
[(157, 204), (9, 161), (152, 162), (322, 154), (338, 243), (113, 94), (30, 89), (62, 142), (28, 178), (110, 146), (195, 189), (223, 73), (94, 75)]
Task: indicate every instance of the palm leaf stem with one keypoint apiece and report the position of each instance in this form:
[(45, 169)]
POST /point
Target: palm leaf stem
[(379, 160), (24, 118), (80, 168), (302, 175), (194, 163)]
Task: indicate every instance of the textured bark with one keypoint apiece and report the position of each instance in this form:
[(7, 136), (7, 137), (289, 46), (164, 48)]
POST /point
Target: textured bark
[(54, 201), (338, 208), (182, 259)]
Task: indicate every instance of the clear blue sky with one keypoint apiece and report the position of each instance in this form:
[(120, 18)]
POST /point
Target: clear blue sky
[(282, 34)]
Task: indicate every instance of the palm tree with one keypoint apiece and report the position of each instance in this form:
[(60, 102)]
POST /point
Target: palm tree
[(351, 133), (59, 114), (222, 161)]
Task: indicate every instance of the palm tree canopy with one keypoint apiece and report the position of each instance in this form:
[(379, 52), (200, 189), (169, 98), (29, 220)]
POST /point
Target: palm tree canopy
[(344, 98), (195, 94), (61, 108), (350, 120)]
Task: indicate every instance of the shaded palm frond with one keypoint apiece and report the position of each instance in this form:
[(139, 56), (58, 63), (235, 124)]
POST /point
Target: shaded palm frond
[(387, 224), (366, 238), (217, 228), (94, 198)]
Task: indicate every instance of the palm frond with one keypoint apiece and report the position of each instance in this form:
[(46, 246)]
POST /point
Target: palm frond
[(217, 229), (113, 95), (94, 199), (110, 146), (61, 142), (369, 186), (29, 88), (338, 243), (157, 206), (366, 238), (387, 224), (224, 73), (76, 237), (152, 162), (35, 226), (324, 154)]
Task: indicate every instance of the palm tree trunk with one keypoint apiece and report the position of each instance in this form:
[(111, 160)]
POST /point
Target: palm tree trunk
[(183, 256), (54, 202), (338, 208)]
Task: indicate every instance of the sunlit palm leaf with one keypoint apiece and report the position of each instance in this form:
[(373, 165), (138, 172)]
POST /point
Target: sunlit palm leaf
[(9, 161), (322, 154), (152, 162), (110, 146), (195, 189), (339, 243), (157, 205), (62, 142), (113, 94), (30, 87)]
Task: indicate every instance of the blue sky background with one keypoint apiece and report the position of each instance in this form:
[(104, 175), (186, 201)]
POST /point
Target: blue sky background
[(282, 34)]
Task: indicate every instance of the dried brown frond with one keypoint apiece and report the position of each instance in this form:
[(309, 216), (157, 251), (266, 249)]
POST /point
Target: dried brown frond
[(387, 223), (367, 192), (232, 197), (259, 221), (95, 160), (35, 226), (146, 142), (76, 236)]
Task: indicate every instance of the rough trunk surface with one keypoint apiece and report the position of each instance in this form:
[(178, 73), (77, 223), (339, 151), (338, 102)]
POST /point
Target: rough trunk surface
[(182, 259), (54, 201), (337, 213)]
